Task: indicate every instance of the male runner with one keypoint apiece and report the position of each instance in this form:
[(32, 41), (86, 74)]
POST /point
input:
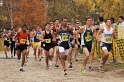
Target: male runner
[(86, 40), (107, 34), (21, 44)]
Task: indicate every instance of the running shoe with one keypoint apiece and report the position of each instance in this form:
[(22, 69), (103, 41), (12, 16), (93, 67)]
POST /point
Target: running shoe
[(56, 65), (90, 67), (26, 60), (101, 69), (65, 72), (47, 67), (83, 70), (50, 62), (76, 59), (21, 69), (70, 66)]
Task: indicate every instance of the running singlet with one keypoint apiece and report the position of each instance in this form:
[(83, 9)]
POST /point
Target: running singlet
[(37, 36), (22, 39), (79, 35), (48, 38), (12, 37), (5, 37), (64, 37), (107, 35), (87, 37)]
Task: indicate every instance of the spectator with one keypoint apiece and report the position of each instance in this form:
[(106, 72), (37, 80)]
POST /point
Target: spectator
[(101, 22), (113, 22), (121, 21)]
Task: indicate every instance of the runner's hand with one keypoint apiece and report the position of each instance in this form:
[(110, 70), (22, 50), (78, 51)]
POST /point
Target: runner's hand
[(30, 43), (78, 43), (99, 40), (53, 40), (17, 44)]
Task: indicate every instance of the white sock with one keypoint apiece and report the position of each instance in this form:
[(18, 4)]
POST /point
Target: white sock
[(21, 67)]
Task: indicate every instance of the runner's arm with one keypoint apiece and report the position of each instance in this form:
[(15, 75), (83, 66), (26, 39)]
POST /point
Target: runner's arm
[(98, 34), (42, 37), (71, 29), (54, 38), (77, 32), (29, 38), (94, 33), (57, 30), (114, 34), (15, 37)]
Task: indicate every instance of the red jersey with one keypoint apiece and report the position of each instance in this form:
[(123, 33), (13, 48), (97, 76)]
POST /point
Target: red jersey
[(22, 38)]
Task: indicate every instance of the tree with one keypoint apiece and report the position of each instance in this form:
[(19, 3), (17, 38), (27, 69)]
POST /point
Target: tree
[(110, 8), (29, 12)]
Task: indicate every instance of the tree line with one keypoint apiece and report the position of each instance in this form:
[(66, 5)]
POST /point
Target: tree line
[(38, 12)]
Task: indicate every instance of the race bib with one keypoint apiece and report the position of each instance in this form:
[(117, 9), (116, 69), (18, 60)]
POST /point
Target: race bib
[(65, 38), (79, 36), (48, 40), (22, 41), (57, 37), (5, 38), (108, 39), (38, 36)]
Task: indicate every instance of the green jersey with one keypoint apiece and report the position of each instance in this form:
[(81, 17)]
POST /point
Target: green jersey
[(87, 37)]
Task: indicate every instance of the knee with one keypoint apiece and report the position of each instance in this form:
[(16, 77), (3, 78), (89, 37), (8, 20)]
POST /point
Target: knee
[(107, 54), (87, 55)]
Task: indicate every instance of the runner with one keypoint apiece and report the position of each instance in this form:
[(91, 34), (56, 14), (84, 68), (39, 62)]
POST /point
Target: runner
[(107, 34), (47, 37), (86, 40), (12, 43), (5, 38), (21, 44), (56, 47), (92, 49), (28, 47), (32, 37), (71, 43), (37, 43), (64, 31), (77, 47)]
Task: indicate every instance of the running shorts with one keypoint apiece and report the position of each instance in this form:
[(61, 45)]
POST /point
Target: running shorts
[(22, 47), (106, 46), (36, 44), (6, 43), (88, 47)]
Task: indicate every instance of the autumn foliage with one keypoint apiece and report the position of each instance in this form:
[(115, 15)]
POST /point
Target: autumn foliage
[(30, 12)]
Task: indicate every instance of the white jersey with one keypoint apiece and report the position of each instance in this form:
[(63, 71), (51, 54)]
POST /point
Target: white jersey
[(107, 35), (121, 24)]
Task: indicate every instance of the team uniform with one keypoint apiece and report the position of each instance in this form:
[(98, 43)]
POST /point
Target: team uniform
[(64, 40), (6, 40), (57, 38), (79, 37), (22, 40), (107, 39), (86, 38), (36, 41), (12, 41), (48, 44)]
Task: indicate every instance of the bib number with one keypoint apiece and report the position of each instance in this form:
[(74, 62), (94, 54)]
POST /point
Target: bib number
[(38, 36), (48, 40), (5, 38), (108, 39), (22, 41), (64, 38)]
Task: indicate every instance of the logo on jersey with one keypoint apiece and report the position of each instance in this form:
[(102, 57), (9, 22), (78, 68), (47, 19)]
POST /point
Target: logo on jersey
[(88, 37)]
